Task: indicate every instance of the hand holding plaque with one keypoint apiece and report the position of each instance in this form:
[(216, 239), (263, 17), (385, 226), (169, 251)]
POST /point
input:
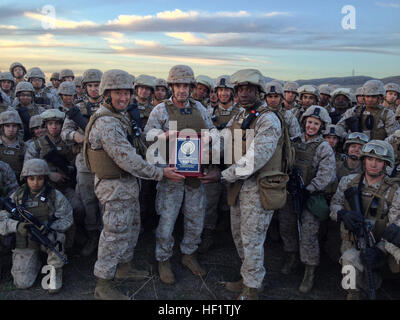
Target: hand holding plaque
[(188, 156)]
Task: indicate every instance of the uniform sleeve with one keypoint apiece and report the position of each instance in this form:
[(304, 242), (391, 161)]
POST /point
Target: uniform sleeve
[(31, 152), (337, 202), (342, 122), (293, 125), (62, 213), (8, 178), (7, 225), (158, 119), (267, 133), (391, 124), (68, 130), (118, 148), (326, 168)]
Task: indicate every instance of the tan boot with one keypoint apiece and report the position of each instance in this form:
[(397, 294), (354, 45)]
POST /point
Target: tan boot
[(291, 263), (353, 295), (248, 294), (207, 241), (236, 286), (166, 274), (190, 261), (105, 291), (91, 244), (308, 279), (57, 282), (126, 272)]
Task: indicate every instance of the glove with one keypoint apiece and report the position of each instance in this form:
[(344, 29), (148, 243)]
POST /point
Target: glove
[(21, 228), (392, 234), (352, 124), (351, 219), (373, 256), (306, 195)]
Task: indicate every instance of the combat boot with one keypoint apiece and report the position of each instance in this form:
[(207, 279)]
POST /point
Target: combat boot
[(166, 274), (207, 241), (238, 286), (248, 294), (126, 272), (353, 295), (190, 261), (104, 291), (291, 263), (57, 282), (308, 280), (91, 244)]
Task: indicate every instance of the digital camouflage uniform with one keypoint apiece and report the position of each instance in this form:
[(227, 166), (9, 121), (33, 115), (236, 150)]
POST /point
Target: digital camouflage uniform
[(171, 196), (52, 209)]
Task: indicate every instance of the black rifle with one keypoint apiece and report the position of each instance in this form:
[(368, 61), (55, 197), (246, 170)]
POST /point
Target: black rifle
[(76, 116), (35, 228), (296, 189), (55, 158), (363, 236)]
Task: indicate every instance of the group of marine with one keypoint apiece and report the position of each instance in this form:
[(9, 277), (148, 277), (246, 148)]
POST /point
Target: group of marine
[(325, 171)]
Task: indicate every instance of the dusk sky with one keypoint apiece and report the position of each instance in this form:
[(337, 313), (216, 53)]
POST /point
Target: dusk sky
[(287, 40)]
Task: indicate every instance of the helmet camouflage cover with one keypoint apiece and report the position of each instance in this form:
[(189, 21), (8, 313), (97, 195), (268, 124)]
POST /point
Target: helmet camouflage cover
[(115, 79), (248, 76), (379, 149), (35, 167)]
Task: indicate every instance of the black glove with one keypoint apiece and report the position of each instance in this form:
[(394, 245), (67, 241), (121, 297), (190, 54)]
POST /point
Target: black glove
[(373, 256), (352, 124), (306, 195), (351, 219), (392, 234)]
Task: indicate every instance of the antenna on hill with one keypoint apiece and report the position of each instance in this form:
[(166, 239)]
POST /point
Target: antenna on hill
[(353, 73)]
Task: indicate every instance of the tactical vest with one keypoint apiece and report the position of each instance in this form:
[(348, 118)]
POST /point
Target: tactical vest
[(305, 153), (378, 134), (396, 148), (14, 156), (43, 147), (87, 108), (342, 169), (144, 110), (98, 161), (271, 175), (374, 210), (43, 100), (186, 118), (224, 116), (298, 112), (40, 207)]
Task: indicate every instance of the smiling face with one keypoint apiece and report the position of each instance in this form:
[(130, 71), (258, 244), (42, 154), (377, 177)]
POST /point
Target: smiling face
[(332, 140), (313, 126), (224, 95), (120, 99)]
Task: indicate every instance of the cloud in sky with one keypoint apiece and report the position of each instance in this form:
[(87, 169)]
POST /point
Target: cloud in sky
[(223, 39)]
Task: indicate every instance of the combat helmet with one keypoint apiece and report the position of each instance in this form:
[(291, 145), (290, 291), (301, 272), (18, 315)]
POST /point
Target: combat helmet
[(393, 87), (274, 87), (66, 73), (291, 86), (24, 86), (378, 149), (325, 89), (355, 137), (35, 121), (36, 73), (115, 79), (67, 88), (17, 64), (7, 76), (145, 81), (91, 75), (181, 74), (8, 117), (78, 81), (317, 112), (52, 114), (35, 167), (55, 76), (309, 89), (334, 130), (206, 81), (248, 76), (223, 82), (374, 88)]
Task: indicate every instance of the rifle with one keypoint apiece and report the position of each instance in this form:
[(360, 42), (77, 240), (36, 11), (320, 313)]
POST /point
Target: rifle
[(296, 188), (59, 161), (76, 116), (363, 237), (36, 229)]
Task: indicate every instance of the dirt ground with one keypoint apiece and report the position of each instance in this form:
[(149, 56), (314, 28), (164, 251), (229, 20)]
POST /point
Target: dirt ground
[(221, 262)]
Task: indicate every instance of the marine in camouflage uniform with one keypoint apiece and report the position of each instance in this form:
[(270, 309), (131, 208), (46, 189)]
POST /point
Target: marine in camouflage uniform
[(290, 94), (216, 191), (26, 107), (308, 96), (59, 157), (373, 119), (18, 71), (394, 140), (51, 208), (36, 129), (12, 148), (380, 197), (350, 163), (392, 94), (8, 184), (7, 85), (161, 92), (262, 155), (316, 159), (360, 96), (325, 96), (117, 165), (55, 83), (341, 101), (184, 113), (73, 131), (201, 93)]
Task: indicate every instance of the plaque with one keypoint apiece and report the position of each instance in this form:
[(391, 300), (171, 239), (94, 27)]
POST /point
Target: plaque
[(188, 156)]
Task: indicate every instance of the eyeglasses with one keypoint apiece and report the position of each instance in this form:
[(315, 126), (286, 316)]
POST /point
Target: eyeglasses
[(377, 149), (358, 135)]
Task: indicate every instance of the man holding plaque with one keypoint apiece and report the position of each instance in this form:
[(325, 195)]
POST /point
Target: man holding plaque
[(257, 133), (179, 113)]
